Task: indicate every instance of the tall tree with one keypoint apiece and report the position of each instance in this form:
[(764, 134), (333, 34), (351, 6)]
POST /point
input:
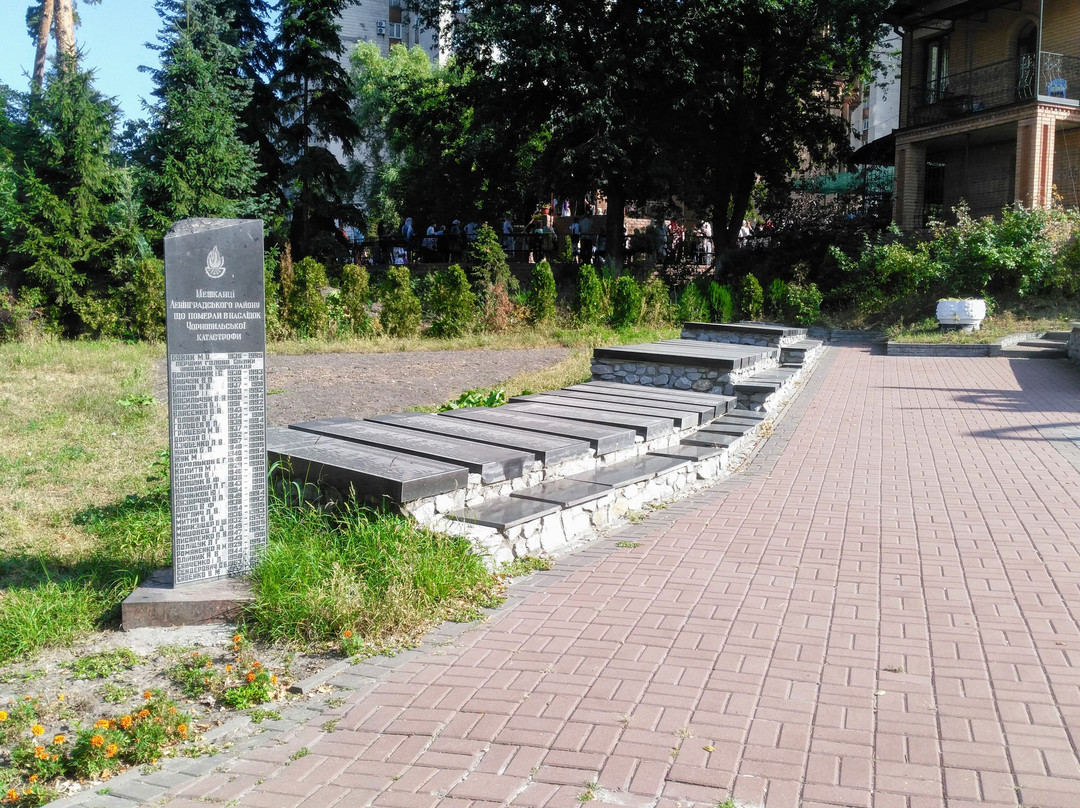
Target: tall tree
[(71, 226), (755, 86), (55, 18), (315, 128), (196, 165)]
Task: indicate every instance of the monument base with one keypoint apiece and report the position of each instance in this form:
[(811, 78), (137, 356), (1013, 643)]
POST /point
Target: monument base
[(156, 603)]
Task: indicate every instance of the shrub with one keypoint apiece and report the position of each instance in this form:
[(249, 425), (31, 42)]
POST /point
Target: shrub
[(400, 315), (885, 272), (542, 294), (308, 314), (450, 302), (626, 303), (355, 295), (721, 303), (497, 310), (775, 298), (658, 308), (590, 299), (692, 306), (751, 298), (272, 311), (286, 282), (566, 251), (147, 298), (802, 304), (487, 262)]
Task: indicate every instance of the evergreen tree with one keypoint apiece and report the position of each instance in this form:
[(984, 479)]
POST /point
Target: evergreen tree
[(74, 223), (315, 120), (196, 163)]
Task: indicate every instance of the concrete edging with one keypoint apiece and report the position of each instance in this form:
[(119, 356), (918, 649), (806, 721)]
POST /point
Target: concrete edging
[(895, 348)]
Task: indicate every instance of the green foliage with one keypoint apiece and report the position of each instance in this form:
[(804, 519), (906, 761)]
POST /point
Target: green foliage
[(721, 303), (542, 294), (476, 398), (590, 297), (104, 664), (626, 303), (801, 304), (775, 298), (355, 296), (196, 164), (487, 262), (307, 313), (751, 298), (657, 306), (400, 314), (885, 272), (693, 308), (146, 295), (566, 250), (449, 302), (378, 575)]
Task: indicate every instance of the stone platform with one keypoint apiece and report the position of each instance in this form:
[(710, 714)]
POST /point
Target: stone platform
[(771, 335)]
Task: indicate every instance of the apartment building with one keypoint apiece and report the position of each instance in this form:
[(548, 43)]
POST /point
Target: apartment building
[(387, 23), (989, 106)]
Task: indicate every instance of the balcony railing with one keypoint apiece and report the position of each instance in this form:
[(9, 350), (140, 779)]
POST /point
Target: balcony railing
[(995, 85)]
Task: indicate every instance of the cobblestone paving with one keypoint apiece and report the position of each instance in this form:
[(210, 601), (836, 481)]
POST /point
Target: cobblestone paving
[(882, 610)]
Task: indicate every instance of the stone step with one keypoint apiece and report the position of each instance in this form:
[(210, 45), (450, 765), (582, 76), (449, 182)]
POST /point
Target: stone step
[(717, 355), (603, 438), (631, 471), (749, 414), (632, 403), (682, 419), (729, 426), (1057, 336), (795, 353), (1043, 343), (647, 427), (548, 448), (721, 403), (371, 472), (492, 463), (689, 452), (774, 332), (704, 437)]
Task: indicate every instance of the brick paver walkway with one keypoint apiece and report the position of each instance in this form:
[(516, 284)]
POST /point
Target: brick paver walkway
[(882, 611)]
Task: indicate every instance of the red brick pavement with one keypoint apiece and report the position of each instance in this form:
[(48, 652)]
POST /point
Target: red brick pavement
[(883, 612)]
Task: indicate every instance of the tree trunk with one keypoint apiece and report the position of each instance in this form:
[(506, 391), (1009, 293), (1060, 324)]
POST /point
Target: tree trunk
[(616, 226), (44, 33), (65, 28)]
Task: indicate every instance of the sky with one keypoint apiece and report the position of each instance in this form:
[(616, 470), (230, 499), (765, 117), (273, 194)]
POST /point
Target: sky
[(112, 36)]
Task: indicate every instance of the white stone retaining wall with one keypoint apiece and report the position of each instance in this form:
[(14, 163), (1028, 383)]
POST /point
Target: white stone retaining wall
[(678, 377)]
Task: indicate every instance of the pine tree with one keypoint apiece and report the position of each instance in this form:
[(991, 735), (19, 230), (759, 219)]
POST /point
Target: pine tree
[(196, 163), (316, 119), (71, 196)]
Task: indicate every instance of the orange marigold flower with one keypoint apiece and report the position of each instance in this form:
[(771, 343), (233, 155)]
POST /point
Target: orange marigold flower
[(182, 729), (97, 740), (101, 723), (172, 711), (12, 795), (251, 676), (236, 638), (228, 669), (59, 739), (256, 664), (273, 680), (3, 715), (40, 753), (209, 664), (125, 721), (348, 634), (37, 729), (148, 694), (60, 697), (33, 778), (111, 750), (143, 713)]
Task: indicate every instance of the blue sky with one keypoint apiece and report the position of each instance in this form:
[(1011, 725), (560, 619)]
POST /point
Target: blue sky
[(112, 36)]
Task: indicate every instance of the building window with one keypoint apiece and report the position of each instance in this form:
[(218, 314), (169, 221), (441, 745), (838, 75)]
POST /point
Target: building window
[(934, 198), (937, 70), (395, 30)]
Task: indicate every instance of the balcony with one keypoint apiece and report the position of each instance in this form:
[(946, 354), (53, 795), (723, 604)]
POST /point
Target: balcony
[(996, 85)]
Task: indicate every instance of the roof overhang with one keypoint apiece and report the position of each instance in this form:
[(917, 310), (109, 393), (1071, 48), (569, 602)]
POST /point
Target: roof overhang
[(908, 13)]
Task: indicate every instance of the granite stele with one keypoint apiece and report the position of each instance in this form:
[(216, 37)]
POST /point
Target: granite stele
[(216, 334)]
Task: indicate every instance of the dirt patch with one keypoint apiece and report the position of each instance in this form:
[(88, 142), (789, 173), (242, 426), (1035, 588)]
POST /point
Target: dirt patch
[(302, 388)]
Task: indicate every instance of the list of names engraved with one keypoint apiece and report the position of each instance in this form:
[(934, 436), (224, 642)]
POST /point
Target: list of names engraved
[(217, 396)]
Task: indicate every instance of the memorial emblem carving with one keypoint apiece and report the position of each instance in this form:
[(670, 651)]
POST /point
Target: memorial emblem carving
[(215, 264)]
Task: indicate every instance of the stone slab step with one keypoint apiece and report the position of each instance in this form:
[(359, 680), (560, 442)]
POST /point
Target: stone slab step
[(728, 426), (564, 493), (1057, 336), (750, 327), (686, 352), (493, 463), (705, 412), (714, 439), (693, 453), (1042, 343), (721, 404), (754, 414), (603, 438), (683, 419), (548, 448), (647, 427), (371, 471), (502, 514), (737, 417), (632, 471)]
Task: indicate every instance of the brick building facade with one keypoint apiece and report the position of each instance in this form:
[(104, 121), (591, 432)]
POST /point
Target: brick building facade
[(989, 106)]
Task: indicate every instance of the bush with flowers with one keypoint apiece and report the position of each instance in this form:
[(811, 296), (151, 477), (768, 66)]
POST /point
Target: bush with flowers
[(39, 758), (241, 684)]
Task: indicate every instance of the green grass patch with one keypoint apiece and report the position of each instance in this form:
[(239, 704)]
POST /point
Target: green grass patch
[(376, 576)]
